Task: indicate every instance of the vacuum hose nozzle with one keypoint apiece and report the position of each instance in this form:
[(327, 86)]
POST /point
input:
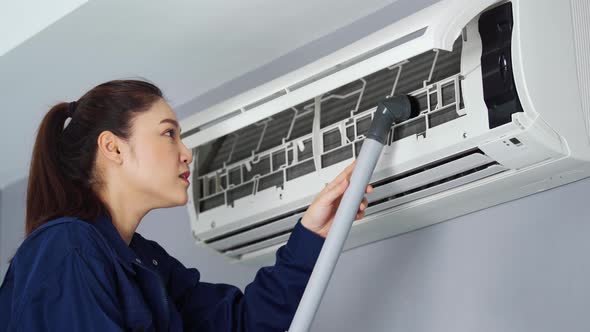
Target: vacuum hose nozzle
[(390, 111)]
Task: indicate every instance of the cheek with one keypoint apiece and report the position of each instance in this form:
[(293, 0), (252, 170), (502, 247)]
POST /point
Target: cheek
[(156, 178), (155, 164)]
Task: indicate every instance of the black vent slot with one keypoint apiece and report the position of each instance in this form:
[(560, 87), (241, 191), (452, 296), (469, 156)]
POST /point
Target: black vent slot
[(331, 139), (350, 133), (442, 116), (363, 125), (303, 125), (239, 192), (273, 180), (262, 223), (422, 101), (259, 168), (235, 176), (340, 103), (258, 240), (414, 127), (278, 159), (379, 85), (300, 169), (248, 139), (212, 185), (425, 167), (307, 151), (414, 73), (276, 130), (448, 94), (212, 202), (432, 184), (448, 63), (500, 95), (223, 148), (336, 156)]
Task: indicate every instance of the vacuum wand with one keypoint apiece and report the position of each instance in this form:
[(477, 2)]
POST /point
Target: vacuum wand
[(389, 111)]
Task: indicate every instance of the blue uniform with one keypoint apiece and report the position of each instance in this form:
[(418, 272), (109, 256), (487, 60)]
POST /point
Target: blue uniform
[(72, 275)]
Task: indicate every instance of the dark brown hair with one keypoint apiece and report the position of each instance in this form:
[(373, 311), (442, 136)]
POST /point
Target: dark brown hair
[(62, 178)]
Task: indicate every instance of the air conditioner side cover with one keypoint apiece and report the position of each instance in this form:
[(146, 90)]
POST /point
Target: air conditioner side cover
[(545, 72)]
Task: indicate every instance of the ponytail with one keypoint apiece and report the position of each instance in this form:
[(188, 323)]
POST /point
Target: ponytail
[(62, 179)]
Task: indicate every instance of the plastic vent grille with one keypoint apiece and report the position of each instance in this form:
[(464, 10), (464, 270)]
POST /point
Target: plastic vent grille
[(280, 148)]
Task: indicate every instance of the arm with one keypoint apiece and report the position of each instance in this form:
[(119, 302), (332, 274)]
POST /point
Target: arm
[(270, 301)]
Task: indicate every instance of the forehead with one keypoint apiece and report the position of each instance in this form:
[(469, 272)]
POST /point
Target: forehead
[(151, 118)]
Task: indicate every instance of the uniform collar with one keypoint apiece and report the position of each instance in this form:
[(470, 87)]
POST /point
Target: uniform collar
[(124, 254)]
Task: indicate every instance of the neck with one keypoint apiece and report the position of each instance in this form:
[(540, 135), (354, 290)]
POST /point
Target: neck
[(125, 214)]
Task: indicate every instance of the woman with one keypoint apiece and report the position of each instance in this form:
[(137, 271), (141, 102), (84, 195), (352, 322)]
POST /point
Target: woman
[(82, 267)]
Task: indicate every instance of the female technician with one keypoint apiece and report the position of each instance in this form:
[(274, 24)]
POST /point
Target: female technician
[(82, 267)]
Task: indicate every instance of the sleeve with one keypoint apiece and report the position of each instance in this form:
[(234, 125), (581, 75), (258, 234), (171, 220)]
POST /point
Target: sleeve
[(267, 304), (79, 296)]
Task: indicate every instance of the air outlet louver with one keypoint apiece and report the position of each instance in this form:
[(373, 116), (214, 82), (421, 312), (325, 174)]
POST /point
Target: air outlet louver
[(398, 189)]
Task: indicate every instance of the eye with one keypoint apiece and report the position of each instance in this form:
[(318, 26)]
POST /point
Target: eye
[(172, 133)]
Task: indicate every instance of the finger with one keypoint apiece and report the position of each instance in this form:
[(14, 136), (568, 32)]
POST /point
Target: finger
[(350, 169), (331, 186), (364, 204), (345, 174), (326, 188), (360, 215), (369, 189), (334, 193)]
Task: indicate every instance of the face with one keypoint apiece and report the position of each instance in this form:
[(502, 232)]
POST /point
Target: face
[(156, 158)]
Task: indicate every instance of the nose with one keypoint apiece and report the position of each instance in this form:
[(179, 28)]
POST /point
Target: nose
[(186, 155)]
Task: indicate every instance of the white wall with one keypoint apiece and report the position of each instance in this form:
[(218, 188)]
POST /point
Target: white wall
[(171, 228), (520, 266), (12, 221)]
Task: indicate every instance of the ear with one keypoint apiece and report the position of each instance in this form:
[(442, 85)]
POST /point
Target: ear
[(109, 145)]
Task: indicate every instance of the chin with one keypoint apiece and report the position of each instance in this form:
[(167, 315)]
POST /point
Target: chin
[(183, 200), (172, 197), (171, 204)]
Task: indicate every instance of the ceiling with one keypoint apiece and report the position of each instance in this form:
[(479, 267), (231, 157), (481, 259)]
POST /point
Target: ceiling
[(188, 48)]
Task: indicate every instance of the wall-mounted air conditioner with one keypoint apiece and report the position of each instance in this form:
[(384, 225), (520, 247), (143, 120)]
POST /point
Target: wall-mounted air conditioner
[(504, 91)]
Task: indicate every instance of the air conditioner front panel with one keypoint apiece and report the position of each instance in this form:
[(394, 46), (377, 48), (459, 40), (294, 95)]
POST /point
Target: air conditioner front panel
[(275, 162)]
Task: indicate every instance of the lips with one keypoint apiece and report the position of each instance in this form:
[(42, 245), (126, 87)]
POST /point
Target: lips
[(185, 176)]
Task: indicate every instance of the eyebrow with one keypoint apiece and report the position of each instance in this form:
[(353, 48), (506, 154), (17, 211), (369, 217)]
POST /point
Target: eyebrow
[(173, 122)]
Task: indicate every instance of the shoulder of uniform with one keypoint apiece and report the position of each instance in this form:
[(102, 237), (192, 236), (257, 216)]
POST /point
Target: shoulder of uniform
[(60, 236)]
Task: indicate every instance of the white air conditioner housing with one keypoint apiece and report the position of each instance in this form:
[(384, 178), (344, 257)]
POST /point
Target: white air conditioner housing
[(504, 93)]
